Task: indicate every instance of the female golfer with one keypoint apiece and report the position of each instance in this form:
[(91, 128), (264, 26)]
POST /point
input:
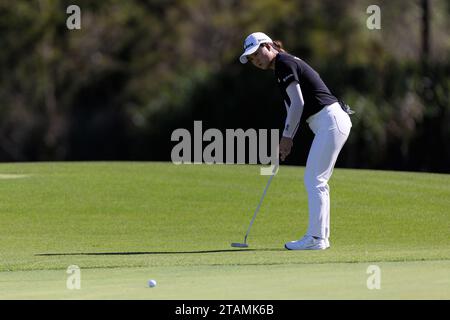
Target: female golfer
[(305, 96)]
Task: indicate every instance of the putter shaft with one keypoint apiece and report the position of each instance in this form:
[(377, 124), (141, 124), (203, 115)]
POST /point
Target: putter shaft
[(260, 202)]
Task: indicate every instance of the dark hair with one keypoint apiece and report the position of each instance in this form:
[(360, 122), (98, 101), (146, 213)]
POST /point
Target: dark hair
[(278, 45)]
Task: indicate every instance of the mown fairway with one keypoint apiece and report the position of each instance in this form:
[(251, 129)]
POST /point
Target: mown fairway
[(125, 223)]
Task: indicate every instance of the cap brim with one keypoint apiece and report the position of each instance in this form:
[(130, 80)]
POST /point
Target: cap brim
[(243, 58)]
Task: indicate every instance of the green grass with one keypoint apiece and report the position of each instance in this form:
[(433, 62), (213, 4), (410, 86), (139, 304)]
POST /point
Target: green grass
[(399, 280), (124, 223)]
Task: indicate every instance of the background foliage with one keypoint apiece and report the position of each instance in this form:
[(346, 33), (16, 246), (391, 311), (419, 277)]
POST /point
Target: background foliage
[(137, 70)]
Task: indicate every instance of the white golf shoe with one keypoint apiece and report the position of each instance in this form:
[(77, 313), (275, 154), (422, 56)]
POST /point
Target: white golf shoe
[(308, 243)]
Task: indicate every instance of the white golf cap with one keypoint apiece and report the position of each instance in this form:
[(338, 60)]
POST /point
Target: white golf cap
[(252, 43)]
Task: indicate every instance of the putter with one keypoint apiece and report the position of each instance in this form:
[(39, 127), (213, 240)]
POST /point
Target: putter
[(244, 244)]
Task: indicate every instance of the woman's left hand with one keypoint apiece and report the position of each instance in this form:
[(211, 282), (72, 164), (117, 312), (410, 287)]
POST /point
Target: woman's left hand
[(285, 147)]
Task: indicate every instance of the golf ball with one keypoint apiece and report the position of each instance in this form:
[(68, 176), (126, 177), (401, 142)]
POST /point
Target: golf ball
[(152, 283)]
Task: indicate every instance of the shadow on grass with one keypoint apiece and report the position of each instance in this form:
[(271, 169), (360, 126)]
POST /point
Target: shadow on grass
[(149, 252)]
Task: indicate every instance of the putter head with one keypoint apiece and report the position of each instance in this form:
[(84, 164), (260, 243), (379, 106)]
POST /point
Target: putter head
[(239, 245)]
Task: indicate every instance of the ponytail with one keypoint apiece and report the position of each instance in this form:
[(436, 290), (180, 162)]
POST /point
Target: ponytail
[(278, 45)]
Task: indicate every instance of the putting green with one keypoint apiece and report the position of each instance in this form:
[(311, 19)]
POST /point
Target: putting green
[(125, 223), (398, 280)]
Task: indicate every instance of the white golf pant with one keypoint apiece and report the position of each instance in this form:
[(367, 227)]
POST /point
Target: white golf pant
[(331, 127)]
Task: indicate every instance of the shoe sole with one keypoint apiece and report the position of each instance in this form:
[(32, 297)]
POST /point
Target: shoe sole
[(304, 249)]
